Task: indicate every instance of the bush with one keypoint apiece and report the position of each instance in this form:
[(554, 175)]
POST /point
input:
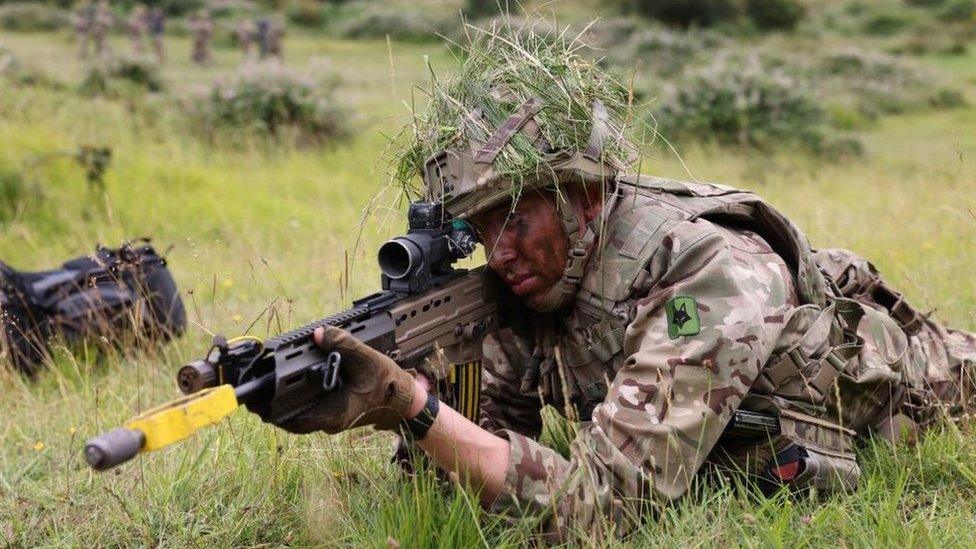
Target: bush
[(686, 13), (744, 102), (878, 83), (478, 9), (775, 14), (886, 24), (664, 51), (118, 76), (363, 19), (266, 100), (959, 11), (935, 38), (23, 16), (225, 9), (946, 98), (180, 7), (307, 13), (925, 3), (9, 62), (16, 194)]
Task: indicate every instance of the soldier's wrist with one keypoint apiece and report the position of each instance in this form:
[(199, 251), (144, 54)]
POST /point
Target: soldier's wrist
[(418, 401)]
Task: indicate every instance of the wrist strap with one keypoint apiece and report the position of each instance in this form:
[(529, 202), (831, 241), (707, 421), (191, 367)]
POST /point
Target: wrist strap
[(416, 428)]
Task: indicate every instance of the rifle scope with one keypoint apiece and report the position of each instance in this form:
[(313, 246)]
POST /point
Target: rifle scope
[(433, 242)]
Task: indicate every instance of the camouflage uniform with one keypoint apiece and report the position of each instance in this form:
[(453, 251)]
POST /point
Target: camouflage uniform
[(246, 33), (202, 29), (101, 23), (81, 20), (700, 301), (137, 27), (156, 22)]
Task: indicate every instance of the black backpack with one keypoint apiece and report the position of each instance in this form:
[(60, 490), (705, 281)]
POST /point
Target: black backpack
[(100, 298)]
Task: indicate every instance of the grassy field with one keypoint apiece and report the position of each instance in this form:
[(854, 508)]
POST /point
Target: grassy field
[(262, 233)]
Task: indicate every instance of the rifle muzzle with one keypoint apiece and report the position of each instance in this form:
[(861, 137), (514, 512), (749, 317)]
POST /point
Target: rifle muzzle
[(113, 448)]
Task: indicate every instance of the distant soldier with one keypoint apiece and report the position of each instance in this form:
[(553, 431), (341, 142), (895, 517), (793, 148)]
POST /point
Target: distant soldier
[(276, 35), (81, 19), (137, 26), (156, 22), (264, 28), (246, 33), (202, 28), (101, 23)]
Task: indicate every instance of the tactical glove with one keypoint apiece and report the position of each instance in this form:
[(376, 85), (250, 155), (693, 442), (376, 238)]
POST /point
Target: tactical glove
[(374, 389)]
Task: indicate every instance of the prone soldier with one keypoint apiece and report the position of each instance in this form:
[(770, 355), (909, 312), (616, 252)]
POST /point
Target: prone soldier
[(658, 314)]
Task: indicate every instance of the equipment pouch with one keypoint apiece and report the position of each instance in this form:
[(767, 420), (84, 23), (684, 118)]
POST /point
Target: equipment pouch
[(819, 455)]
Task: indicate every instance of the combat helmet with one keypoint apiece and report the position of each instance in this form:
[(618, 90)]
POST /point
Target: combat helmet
[(525, 111)]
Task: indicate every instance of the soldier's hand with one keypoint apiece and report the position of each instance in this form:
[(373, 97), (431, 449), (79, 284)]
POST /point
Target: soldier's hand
[(374, 389)]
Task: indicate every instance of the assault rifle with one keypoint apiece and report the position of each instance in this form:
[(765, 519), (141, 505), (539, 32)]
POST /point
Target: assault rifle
[(425, 306)]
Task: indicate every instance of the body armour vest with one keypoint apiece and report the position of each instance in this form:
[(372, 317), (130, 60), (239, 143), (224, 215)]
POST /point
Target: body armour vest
[(589, 339)]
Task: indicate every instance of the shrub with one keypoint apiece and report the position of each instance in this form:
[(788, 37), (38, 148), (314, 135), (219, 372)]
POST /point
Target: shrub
[(477, 9), (180, 7), (868, 66), (775, 14), (9, 62), (117, 76), (612, 32), (266, 100), (664, 51), (376, 20), (886, 24), (307, 13), (879, 83), (935, 38), (958, 11), (16, 194), (685, 13), (24, 16), (224, 9), (744, 102), (925, 3), (947, 98)]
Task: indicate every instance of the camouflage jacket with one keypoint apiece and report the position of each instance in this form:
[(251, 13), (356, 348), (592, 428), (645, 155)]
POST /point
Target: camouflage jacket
[(702, 300)]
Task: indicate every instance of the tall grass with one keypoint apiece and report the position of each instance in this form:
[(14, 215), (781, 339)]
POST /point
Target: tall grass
[(261, 234)]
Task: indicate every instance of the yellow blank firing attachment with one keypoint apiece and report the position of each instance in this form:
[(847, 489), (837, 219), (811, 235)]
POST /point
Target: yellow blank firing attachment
[(161, 426)]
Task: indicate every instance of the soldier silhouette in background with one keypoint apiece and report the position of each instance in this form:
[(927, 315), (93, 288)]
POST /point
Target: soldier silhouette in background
[(246, 33), (102, 22), (202, 28), (156, 22), (264, 26), (137, 26), (276, 35), (81, 20)]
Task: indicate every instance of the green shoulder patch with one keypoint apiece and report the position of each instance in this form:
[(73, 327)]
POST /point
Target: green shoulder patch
[(683, 318)]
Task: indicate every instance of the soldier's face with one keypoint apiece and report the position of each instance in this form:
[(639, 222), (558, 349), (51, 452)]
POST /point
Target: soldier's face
[(526, 245)]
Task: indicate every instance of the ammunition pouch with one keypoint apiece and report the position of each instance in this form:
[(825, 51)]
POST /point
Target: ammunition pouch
[(98, 298), (824, 343), (816, 454)]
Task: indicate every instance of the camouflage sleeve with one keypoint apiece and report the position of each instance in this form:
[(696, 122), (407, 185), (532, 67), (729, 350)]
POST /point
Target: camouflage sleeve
[(694, 347), (503, 403)]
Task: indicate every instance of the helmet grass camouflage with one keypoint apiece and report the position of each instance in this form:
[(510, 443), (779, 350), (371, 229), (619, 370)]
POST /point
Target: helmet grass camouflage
[(524, 111), (465, 179)]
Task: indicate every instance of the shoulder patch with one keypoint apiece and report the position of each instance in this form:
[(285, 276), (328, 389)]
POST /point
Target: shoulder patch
[(683, 318)]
